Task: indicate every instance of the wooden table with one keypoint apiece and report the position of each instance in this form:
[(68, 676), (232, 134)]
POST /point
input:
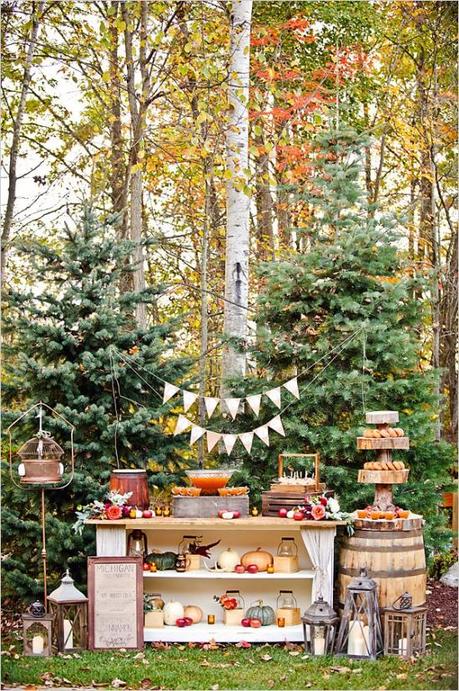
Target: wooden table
[(198, 587)]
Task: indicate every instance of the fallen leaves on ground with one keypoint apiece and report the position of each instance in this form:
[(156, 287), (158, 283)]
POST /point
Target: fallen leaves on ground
[(340, 670), (118, 683), (266, 658)]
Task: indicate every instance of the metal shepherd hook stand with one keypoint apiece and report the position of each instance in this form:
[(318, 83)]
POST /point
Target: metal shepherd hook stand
[(41, 467)]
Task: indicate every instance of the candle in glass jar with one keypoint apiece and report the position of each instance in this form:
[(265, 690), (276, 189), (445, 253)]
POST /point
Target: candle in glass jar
[(270, 569), (281, 622), (211, 618), (38, 645), (166, 512)]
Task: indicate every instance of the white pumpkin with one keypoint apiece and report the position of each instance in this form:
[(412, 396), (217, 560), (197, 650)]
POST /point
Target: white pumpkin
[(228, 560), (173, 610)]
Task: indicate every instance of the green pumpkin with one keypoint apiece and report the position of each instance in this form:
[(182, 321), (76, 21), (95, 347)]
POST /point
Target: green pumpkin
[(163, 560), (264, 613)]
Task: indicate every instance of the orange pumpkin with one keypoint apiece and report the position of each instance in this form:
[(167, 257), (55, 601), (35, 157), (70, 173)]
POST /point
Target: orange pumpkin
[(259, 557), (194, 612)]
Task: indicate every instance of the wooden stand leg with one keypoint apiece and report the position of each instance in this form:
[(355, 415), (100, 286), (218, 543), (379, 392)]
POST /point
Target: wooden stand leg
[(384, 500)]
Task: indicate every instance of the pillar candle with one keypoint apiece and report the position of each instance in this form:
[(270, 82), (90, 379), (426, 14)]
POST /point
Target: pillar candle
[(356, 641), (319, 646), (402, 646), (68, 634), (37, 645)]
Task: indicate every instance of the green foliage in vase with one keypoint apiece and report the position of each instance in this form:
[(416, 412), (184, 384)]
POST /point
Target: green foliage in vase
[(62, 338)]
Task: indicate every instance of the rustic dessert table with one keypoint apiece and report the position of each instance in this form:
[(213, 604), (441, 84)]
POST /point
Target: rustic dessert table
[(314, 539)]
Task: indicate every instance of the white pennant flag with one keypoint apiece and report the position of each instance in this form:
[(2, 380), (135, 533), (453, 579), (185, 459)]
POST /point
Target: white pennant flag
[(276, 425), (275, 396), (247, 439), (188, 399), (196, 433), (229, 441), (182, 424), (212, 439), (263, 433), (254, 402), (210, 403), (292, 386), (169, 391), (233, 405)]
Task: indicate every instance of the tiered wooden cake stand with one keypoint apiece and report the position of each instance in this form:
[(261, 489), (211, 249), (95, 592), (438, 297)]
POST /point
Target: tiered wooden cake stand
[(391, 549)]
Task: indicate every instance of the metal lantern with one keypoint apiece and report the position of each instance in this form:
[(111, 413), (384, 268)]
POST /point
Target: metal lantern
[(69, 608), (37, 631), (405, 628), (137, 544), (320, 623), (360, 633)]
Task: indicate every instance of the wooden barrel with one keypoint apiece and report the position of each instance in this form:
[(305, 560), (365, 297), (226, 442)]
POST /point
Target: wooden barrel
[(395, 559), (134, 481)]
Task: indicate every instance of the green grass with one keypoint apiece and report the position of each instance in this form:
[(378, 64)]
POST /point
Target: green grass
[(258, 667)]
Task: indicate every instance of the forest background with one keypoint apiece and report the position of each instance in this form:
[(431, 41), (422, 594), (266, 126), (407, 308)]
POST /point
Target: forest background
[(115, 228)]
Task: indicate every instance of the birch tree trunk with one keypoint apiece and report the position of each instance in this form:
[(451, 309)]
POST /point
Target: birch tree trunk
[(238, 202), (16, 140)]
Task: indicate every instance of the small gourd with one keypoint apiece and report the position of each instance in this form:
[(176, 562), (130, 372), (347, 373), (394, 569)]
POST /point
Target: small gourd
[(173, 610), (263, 612), (228, 560)]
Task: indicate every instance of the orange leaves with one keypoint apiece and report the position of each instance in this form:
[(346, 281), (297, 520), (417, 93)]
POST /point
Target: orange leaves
[(296, 23), (266, 36)]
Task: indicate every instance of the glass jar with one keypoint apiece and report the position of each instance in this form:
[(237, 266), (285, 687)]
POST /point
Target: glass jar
[(237, 596), (287, 547), (286, 600), (184, 546)]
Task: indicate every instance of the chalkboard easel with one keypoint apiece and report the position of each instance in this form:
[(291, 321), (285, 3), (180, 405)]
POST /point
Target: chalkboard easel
[(115, 591)]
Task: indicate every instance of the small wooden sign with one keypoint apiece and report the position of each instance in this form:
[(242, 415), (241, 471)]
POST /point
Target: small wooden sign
[(115, 589)]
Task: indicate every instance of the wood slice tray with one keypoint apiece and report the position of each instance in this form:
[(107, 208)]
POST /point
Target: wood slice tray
[(208, 506), (367, 443), (383, 477), (414, 522)]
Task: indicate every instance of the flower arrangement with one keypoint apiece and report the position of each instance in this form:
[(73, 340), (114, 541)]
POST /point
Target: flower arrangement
[(226, 602), (115, 506), (323, 508)]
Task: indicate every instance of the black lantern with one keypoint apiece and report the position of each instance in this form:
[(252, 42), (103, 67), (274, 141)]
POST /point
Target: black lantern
[(69, 608), (360, 633), (405, 628), (137, 544), (37, 631), (320, 623)]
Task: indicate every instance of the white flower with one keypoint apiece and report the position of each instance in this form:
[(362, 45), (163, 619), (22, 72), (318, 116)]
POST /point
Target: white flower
[(333, 505)]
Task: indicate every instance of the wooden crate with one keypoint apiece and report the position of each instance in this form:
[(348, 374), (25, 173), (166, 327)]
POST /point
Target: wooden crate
[(271, 501), (291, 615), (233, 617), (285, 564), (154, 620), (208, 507)]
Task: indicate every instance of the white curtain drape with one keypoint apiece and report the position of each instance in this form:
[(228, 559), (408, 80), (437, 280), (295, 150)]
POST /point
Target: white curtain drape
[(110, 542), (319, 544)]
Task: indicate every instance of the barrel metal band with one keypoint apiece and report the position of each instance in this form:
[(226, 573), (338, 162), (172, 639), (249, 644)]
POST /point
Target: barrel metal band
[(383, 574), (389, 535), (395, 550)]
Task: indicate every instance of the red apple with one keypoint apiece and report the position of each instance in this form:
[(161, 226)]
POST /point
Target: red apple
[(148, 513), (252, 568), (180, 622), (255, 623), (236, 514), (220, 513), (283, 513), (323, 501), (188, 621), (239, 568), (245, 622), (298, 516), (146, 567)]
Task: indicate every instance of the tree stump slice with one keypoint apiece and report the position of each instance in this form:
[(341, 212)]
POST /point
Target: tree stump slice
[(370, 444), (381, 417), (383, 477)]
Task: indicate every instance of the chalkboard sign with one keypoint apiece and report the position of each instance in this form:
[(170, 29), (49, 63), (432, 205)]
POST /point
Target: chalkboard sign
[(115, 590)]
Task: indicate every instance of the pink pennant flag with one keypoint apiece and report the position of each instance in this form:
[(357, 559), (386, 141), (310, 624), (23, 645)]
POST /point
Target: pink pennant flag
[(276, 425), (229, 441), (212, 439), (247, 440), (233, 405), (275, 396), (182, 424), (254, 402), (263, 433), (196, 433), (169, 391), (188, 399), (292, 387), (210, 403)]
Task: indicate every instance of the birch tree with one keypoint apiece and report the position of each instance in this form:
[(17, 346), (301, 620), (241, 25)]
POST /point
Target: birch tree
[(238, 201)]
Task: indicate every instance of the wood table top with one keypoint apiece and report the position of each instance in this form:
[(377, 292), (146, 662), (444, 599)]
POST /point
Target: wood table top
[(244, 523)]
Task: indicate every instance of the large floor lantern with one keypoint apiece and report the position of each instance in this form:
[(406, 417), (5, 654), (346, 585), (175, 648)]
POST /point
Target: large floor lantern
[(69, 608), (320, 621), (360, 633), (37, 631), (405, 628)]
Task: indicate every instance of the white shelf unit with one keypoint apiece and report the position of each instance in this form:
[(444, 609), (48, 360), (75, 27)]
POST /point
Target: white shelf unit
[(203, 633), (224, 575)]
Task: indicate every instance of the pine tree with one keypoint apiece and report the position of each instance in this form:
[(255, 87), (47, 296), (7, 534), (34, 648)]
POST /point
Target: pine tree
[(350, 278), (63, 334)]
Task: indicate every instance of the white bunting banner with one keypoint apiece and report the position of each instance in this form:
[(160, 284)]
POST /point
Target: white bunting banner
[(263, 433), (276, 425), (254, 402), (275, 396), (233, 405), (210, 403), (292, 387), (188, 399), (182, 424), (212, 439), (247, 440), (229, 441), (169, 391), (196, 433)]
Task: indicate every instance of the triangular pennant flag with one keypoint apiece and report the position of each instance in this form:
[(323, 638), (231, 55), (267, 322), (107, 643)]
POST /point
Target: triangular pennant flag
[(275, 396), (254, 402), (196, 433), (292, 386), (211, 404), (212, 439), (233, 405), (182, 424), (229, 441), (188, 399), (276, 425), (263, 433), (169, 391), (247, 439)]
